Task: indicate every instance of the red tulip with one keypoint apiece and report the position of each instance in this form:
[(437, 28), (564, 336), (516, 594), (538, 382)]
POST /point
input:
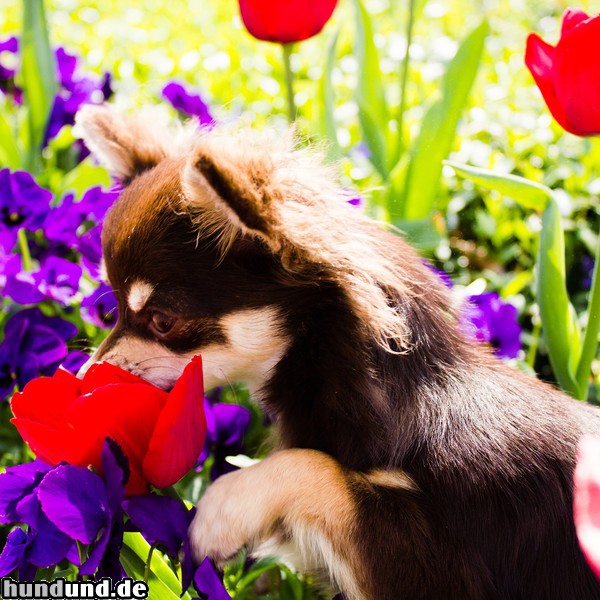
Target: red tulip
[(587, 499), (63, 418), (285, 22), (568, 75)]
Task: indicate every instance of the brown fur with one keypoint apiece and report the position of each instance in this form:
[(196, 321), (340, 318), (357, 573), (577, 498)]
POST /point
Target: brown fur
[(430, 469)]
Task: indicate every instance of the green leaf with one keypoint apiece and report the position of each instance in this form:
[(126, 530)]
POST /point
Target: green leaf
[(516, 284), (9, 151), (425, 234), (163, 583), (528, 194), (370, 92), (559, 325), (438, 128), (327, 124), (38, 76), (260, 567), (83, 177)]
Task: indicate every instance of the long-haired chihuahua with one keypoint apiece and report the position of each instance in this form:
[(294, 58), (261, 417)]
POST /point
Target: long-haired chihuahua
[(410, 462)]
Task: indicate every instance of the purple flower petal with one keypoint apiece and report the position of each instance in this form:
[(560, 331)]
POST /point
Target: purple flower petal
[(208, 583), (90, 248), (489, 319), (115, 468), (188, 102), (22, 288), (95, 203), (13, 553), (23, 203), (226, 425), (75, 500), (104, 556), (16, 483), (74, 361), (100, 308), (10, 44), (49, 545), (164, 520)]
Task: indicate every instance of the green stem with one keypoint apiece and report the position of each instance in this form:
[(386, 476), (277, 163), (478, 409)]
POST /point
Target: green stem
[(24, 248), (590, 338), (535, 340), (289, 81), (148, 565), (171, 492), (403, 82)]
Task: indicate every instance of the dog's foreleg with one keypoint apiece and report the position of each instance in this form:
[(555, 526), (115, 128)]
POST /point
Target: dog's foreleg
[(303, 501)]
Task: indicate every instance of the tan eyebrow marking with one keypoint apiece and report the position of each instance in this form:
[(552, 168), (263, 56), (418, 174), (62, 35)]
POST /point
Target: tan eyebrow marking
[(139, 294)]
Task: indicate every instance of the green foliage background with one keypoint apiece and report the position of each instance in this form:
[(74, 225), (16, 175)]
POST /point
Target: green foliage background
[(505, 127)]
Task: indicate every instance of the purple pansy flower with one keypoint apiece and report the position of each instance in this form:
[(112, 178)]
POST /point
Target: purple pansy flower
[(63, 221), (23, 203), (166, 521), (226, 425), (43, 544), (57, 279), (487, 318), (494, 321), (33, 345), (187, 102), (43, 498), (100, 308), (75, 90)]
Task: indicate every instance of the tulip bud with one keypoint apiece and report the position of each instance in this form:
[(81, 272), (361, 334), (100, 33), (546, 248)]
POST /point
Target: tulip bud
[(286, 22), (568, 74)]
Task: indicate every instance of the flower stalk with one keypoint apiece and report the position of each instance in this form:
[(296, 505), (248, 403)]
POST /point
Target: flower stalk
[(590, 338), (287, 50), (24, 250)]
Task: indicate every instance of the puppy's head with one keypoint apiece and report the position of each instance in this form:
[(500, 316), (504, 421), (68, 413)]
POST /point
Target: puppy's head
[(215, 239)]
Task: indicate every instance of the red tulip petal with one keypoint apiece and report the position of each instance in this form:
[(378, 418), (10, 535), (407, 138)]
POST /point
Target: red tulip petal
[(577, 77), (571, 18), (103, 373), (47, 398), (180, 430), (539, 58), (56, 444), (125, 412), (587, 499)]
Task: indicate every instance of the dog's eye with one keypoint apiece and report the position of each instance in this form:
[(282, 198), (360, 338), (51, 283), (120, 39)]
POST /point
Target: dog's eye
[(161, 323)]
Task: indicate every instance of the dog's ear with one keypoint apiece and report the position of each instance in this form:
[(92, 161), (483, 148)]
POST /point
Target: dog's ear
[(233, 192), (126, 145)]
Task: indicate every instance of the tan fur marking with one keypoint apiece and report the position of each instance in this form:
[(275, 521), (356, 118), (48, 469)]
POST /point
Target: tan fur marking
[(139, 294), (392, 479)]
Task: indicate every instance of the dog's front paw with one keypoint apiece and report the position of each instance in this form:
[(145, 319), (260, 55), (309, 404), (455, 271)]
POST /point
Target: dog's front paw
[(229, 516)]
